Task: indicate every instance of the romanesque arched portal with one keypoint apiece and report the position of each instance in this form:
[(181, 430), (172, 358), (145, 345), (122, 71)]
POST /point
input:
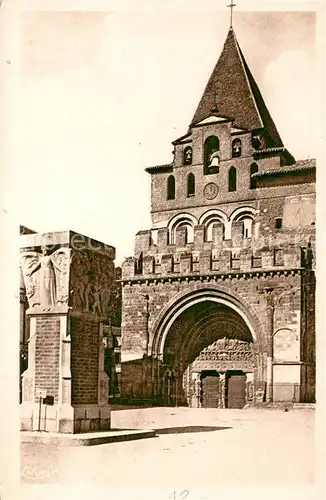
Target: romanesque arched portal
[(214, 346)]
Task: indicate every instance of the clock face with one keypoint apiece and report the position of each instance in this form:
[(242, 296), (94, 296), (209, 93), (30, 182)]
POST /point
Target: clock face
[(210, 191)]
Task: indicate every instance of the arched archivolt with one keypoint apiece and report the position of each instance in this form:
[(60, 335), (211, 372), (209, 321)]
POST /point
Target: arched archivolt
[(183, 219), (283, 329), (211, 217), (211, 214), (213, 293), (200, 326), (204, 330), (246, 215), (242, 212)]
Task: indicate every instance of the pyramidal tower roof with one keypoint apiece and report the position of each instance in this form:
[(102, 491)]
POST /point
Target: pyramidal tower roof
[(233, 92)]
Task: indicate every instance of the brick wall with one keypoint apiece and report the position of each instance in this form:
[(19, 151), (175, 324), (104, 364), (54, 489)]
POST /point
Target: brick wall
[(308, 341), (84, 360), (47, 350), (298, 228), (248, 291), (138, 380), (163, 210)]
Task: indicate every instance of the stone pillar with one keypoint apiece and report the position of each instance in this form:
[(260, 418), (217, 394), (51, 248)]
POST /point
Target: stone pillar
[(196, 390), (69, 285), (269, 361), (22, 309), (222, 387), (162, 239), (145, 341), (199, 237), (103, 385), (250, 397)]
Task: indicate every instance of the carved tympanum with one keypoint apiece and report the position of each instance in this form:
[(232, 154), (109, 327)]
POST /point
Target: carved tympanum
[(227, 354), (227, 350)]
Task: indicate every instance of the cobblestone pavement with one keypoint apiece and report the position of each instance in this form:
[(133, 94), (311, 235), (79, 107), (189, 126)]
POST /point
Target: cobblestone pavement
[(194, 446)]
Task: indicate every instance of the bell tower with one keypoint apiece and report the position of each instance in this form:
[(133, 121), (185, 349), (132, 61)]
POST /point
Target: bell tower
[(231, 214), (231, 137)]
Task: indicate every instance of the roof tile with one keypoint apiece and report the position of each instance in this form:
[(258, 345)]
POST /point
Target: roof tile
[(233, 91)]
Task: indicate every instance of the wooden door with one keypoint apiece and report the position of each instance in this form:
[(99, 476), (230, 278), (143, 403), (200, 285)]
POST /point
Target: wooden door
[(210, 390), (236, 390)]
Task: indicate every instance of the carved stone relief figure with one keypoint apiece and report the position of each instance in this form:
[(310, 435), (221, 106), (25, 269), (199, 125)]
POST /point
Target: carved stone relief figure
[(80, 280), (46, 277), (97, 307), (91, 283)]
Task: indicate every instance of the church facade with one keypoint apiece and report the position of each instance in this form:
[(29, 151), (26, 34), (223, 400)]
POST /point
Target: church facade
[(218, 301)]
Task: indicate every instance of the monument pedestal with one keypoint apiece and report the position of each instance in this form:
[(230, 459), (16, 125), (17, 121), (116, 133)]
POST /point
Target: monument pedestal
[(69, 294)]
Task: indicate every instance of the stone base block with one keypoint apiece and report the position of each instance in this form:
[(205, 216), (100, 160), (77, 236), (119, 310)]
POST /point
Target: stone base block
[(286, 392), (286, 385), (65, 419), (105, 412)]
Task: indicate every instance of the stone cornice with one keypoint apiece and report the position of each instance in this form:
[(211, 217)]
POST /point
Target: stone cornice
[(159, 169), (222, 276)]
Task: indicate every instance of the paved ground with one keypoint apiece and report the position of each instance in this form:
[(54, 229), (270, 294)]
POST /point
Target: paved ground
[(194, 446)]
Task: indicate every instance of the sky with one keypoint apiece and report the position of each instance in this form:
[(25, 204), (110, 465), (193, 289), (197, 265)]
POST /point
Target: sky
[(99, 96)]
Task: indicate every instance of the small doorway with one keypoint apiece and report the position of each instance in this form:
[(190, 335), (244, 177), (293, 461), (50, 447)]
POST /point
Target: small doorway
[(235, 389), (210, 389), (169, 388)]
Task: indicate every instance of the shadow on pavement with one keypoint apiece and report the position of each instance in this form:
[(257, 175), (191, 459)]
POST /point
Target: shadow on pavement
[(190, 428), (177, 430)]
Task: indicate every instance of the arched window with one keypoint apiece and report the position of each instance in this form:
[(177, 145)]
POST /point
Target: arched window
[(232, 179), (182, 219), (139, 264), (171, 187), (187, 156), (191, 185), (210, 228), (236, 148), (211, 155), (210, 219), (189, 232), (246, 215), (247, 228), (253, 170)]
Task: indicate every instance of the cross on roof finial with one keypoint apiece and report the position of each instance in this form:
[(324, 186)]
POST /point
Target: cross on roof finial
[(231, 6)]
